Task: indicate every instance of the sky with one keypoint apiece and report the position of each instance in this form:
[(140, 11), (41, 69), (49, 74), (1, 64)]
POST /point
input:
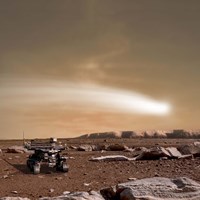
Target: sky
[(71, 67)]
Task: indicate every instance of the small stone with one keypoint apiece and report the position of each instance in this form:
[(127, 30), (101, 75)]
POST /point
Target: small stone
[(156, 174), (59, 178), (14, 192), (86, 184), (5, 176), (66, 192), (51, 190), (16, 156)]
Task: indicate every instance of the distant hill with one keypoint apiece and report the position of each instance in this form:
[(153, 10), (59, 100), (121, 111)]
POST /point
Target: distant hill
[(178, 133)]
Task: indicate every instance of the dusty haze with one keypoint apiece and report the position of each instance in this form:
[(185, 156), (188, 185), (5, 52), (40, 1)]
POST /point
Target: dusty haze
[(74, 67)]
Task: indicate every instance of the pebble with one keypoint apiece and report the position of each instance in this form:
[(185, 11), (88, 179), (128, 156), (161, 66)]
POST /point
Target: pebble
[(58, 178), (51, 190), (14, 192), (66, 192), (156, 174), (86, 184), (40, 176), (16, 156), (5, 176)]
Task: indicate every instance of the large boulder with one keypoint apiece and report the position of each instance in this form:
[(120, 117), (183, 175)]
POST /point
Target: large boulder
[(85, 147), (154, 153), (116, 147), (98, 147), (138, 150), (159, 188), (193, 149), (92, 195)]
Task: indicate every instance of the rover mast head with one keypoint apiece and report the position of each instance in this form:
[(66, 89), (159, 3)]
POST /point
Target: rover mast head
[(53, 140)]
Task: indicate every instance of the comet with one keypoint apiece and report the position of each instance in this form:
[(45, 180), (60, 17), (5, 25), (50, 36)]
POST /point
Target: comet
[(86, 96)]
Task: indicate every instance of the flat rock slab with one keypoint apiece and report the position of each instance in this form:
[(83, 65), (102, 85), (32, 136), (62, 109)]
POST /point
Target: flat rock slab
[(174, 152), (85, 148), (111, 158), (159, 188), (16, 149), (154, 153), (77, 196)]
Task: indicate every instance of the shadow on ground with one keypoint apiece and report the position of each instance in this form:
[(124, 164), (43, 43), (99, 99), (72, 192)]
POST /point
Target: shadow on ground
[(25, 170), (43, 170)]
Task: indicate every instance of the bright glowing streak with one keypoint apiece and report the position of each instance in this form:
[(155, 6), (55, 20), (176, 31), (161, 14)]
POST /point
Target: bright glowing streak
[(93, 96)]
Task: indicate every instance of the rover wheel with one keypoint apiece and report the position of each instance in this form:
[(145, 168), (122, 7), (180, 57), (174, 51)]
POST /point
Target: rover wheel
[(65, 167), (36, 169), (28, 164)]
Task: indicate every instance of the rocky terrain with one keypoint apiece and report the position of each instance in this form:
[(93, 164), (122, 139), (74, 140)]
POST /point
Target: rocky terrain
[(87, 176)]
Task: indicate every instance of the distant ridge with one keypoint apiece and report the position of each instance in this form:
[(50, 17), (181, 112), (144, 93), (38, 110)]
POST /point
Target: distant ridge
[(177, 133)]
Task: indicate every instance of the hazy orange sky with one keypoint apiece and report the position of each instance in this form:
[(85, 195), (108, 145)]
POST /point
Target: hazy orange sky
[(74, 67)]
